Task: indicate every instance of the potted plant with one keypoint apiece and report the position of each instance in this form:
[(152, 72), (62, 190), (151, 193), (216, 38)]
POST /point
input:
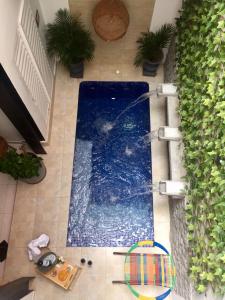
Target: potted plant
[(70, 42), (150, 49), (25, 166)]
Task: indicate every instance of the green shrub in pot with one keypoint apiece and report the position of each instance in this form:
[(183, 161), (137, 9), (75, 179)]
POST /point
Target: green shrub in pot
[(150, 48), (22, 166), (69, 40)]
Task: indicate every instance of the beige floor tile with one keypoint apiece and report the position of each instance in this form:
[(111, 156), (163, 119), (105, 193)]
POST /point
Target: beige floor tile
[(62, 234), (25, 190), (58, 123), (24, 209), (92, 286), (50, 186), (161, 233), (117, 291), (67, 164), (43, 288), (63, 210), (5, 223), (23, 220), (161, 208), (6, 179), (71, 254), (66, 182), (98, 258), (70, 126), (56, 143), (47, 210), (60, 294), (59, 109), (67, 169), (115, 264), (68, 147), (17, 264), (7, 192), (21, 234)]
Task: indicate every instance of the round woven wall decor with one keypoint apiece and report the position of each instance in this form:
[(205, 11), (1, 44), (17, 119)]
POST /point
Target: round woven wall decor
[(110, 19)]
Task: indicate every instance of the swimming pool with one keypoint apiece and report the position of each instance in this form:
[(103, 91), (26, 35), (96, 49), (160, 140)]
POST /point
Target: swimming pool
[(111, 200)]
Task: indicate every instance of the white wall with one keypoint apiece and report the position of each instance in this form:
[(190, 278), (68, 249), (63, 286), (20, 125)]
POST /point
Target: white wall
[(35, 5), (9, 10), (7, 129), (50, 7), (165, 11)]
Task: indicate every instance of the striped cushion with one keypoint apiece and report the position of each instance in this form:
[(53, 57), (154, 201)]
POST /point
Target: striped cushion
[(150, 269)]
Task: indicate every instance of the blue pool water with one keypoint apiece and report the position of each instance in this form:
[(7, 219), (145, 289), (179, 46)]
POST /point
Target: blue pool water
[(111, 200)]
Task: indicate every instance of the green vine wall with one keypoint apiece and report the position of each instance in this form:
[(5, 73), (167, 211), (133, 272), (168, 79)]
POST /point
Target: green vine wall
[(201, 86)]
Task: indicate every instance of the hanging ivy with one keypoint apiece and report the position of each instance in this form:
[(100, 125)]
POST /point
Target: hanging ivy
[(201, 87)]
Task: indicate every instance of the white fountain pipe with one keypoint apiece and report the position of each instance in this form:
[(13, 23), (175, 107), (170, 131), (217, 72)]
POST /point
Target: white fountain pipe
[(166, 89)]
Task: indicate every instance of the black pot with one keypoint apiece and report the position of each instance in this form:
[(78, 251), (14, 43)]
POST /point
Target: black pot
[(77, 70), (150, 68), (47, 262)]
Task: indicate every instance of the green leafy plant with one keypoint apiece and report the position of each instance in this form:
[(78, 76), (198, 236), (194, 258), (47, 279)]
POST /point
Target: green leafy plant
[(150, 44), (200, 51), (17, 165), (68, 39)]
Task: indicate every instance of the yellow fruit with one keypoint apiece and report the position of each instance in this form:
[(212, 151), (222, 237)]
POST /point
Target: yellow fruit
[(63, 274)]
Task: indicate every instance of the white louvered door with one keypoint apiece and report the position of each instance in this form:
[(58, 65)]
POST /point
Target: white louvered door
[(33, 65)]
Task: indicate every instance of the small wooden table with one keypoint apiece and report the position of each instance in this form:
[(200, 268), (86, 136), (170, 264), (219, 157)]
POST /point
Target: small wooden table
[(62, 274)]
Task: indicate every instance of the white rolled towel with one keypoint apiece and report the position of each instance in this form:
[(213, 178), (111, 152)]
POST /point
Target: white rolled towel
[(33, 247)]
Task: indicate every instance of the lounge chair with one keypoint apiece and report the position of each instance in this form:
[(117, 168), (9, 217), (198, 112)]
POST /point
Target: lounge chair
[(148, 269)]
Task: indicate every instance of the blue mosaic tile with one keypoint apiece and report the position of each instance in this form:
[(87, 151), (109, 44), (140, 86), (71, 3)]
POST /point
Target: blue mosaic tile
[(111, 201)]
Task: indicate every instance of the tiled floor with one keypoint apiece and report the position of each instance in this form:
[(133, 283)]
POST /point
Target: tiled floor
[(122, 50), (44, 207), (7, 196)]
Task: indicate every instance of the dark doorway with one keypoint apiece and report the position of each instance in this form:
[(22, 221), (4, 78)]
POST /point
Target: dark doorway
[(14, 108)]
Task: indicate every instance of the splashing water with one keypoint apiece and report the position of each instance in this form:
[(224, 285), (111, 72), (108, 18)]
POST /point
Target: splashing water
[(128, 151), (108, 126), (140, 99), (114, 199), (134, 192), (147, 138)]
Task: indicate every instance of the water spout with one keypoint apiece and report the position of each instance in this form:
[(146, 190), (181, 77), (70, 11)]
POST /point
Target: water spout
[(134, 192), (108, 126), (147, 138), (140, 99)]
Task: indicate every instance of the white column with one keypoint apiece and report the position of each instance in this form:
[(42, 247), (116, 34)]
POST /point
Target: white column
[(165, 12), (50, 7)]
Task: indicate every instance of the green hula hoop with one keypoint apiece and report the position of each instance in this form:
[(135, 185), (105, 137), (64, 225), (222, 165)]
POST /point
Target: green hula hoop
[(150, 244)]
